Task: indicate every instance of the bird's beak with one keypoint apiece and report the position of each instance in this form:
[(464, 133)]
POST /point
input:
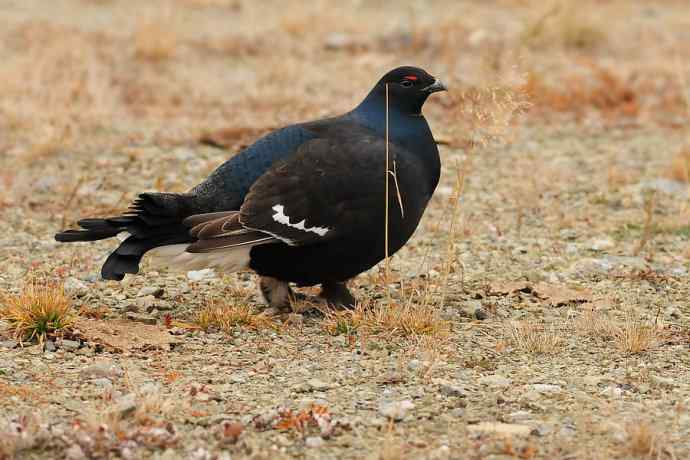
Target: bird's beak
[(437, 85)]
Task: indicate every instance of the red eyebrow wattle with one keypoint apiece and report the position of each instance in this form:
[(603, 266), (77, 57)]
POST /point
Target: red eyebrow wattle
[(410, 77)]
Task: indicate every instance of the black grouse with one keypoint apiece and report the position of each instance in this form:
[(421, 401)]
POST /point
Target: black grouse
[(304, 204)]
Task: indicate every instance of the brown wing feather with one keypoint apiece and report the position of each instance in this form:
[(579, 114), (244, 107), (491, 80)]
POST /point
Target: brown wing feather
[(216, 244), (221, 230), (196, 219)]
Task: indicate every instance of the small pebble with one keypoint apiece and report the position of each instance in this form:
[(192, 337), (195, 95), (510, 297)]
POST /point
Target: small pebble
[(546, 388), (495, 380), (9, 344), (414, 364), (395, 410), (74, 452), (314, 442), (126, 404), (154, 291), (141, 318), (70, 345), (450, 389), (106, 369), (317, 385), (663, 381), (102, 382), (200, 275)]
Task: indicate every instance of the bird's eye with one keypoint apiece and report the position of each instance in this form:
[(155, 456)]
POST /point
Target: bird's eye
[(406, 83)]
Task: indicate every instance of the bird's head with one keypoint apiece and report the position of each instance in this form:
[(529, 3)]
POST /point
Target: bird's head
[(408, 88)]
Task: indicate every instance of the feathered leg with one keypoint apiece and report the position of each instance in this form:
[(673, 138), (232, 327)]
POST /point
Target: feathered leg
[(276, 293), (337, 295)]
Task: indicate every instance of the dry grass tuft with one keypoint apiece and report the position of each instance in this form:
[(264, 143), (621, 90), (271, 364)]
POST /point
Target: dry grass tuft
[(680, 166), (151, 406), (597, 88), (534, 338), (227, 316), (636, 336), (631, 336), (592, 323), (40, 310), (643, 441), (567, 24), (24, 392), (20, 435), (154, 42), (407, 319)]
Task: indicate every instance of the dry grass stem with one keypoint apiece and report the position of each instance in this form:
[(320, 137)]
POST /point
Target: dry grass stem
[(648, 228)]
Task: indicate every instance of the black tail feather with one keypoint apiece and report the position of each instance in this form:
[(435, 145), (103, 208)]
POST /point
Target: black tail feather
[(71, 236), (153, 219)]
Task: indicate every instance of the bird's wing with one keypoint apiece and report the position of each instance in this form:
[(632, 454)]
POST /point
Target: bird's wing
[(226, 187), (331, 187), (221, 230)]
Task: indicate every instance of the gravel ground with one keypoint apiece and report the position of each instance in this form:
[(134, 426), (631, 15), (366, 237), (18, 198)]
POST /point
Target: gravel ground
[(477, 392), (563, 284)]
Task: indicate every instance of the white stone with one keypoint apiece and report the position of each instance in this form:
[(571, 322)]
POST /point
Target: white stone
[(200, 275), (495, 380), (395, 410), (601, 244), (313, 442), (546, 388), (508, 429)]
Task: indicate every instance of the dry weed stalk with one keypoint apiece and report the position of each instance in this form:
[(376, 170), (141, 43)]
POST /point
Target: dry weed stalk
[(648, 229), (390, 448), (534, 338), (40, 310), (450, 255)]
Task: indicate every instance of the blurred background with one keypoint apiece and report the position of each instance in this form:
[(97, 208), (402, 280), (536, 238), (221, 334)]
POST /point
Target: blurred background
[(82, 74), (116, 97)]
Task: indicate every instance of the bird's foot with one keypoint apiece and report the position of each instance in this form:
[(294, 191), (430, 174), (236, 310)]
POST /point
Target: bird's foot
[(338, 296), (281, 298), (277, 295)]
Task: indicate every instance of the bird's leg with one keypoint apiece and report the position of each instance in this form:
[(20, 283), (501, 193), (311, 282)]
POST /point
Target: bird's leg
[(276, 293), (337, 295)]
